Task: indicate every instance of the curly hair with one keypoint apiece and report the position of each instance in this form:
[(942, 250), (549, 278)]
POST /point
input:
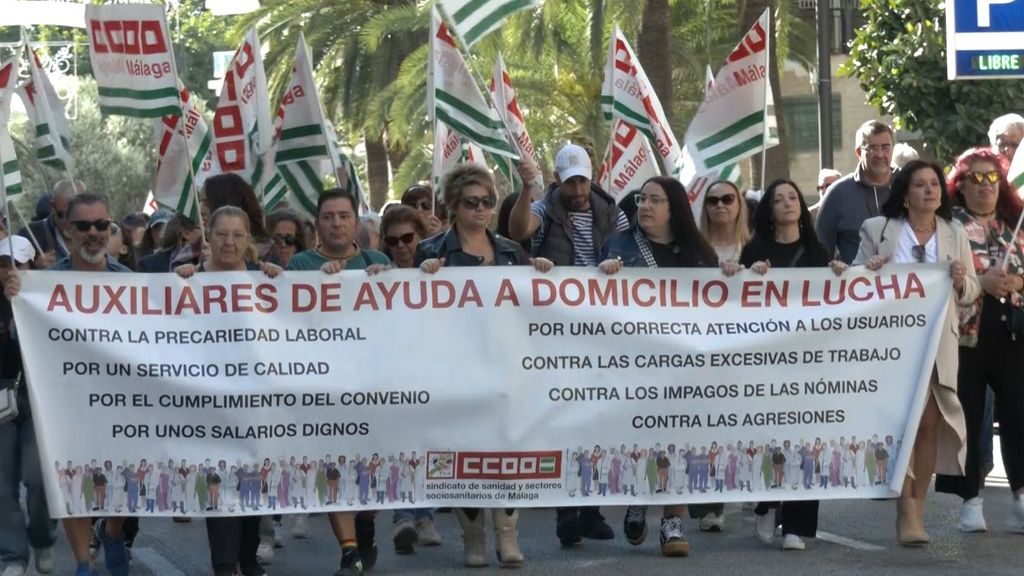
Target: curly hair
[(458, 178), (1008, 204)]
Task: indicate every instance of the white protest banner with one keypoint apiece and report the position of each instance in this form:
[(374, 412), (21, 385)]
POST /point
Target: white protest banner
[(132, 59), (628, 94), (242, 129), (737, 118), (628, 161), (555, 389), (46, 111), (8, 157)]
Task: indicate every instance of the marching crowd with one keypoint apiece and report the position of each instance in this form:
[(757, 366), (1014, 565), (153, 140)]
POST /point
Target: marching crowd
[(885, 212)]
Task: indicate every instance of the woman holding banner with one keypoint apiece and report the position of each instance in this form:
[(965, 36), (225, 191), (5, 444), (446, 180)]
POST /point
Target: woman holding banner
[(664, 236), (470, 197), (724, 220), (991, 349), (401, 231), (784, 237), (917, 226), (233, 540)]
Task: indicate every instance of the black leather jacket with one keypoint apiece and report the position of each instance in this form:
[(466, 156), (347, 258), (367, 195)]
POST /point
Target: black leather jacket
[(446, 245)]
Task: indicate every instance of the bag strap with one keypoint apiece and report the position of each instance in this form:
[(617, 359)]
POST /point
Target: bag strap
[(796, 257)]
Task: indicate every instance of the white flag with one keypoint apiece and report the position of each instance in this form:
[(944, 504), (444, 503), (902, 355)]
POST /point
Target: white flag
[(628, 94), (456, 98), (183, 140), (736, 119), (628, 161), (150, 205), (450, 150), (8, 158), (46, 111), (504, 98), (473, 19), (242, 129), (1016, 173)]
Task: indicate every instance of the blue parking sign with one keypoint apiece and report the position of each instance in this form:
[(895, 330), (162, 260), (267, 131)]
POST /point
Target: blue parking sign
[(984, 39)]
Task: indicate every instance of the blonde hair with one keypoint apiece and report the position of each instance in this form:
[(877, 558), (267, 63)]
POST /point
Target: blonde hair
[(458, 178), (742, 232)]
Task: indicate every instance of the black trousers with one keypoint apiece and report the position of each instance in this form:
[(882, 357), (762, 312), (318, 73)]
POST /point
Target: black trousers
[(585, 512), (997, 362), (798, 517), (233, 542)]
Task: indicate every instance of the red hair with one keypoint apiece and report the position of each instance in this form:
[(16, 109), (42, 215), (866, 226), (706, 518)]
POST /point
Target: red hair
[(1008, 205)]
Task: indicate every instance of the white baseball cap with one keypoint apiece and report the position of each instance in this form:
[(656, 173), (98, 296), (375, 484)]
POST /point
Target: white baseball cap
[(573, 160), (23, 250)]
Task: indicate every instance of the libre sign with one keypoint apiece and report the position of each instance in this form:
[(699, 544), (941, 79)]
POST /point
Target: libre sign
[(984, 39)]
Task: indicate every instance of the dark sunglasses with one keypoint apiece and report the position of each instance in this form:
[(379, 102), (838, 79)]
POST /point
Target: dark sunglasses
[(979, 177), (285, 239), (85, 225), (918, 252), (474, 202), (726, 200), (59, 214), (406, 239)]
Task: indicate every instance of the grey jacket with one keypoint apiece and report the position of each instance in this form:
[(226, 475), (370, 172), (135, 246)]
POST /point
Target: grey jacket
[(848, 203)]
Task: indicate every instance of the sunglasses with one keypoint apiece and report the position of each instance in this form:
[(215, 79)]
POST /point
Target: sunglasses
[(726, 200), (60, 214), (474, 202), (918, 252), (285, 239), (406, 239), (85, 225), (979, 177)]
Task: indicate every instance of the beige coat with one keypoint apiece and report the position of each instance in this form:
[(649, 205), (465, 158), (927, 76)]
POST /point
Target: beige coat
[(952, 245)]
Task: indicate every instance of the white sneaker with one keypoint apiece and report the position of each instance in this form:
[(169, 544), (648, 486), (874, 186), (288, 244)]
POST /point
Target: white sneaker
[(793, 542), (1017, 523), (764, 527), (712, 522), (300, 527), (44, 560), (15, 569), (972, 516)]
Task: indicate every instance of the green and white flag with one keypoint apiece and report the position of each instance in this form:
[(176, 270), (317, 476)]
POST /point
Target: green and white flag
[(628, 94), (183, 140), (455, 99), (242, 129), (737, 118), (1016, 172), (450, 150), (697, 186), (306, 147), (473, 19), (46, 112), (8, 159), (132, 59)]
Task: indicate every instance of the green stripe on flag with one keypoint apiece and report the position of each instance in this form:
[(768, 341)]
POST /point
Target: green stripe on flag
[(54, 163), (302, 131), (731, 130), (300, 154), (484, 141), (10, 167), (633, 117), (138, 94), (735, 153), (14, 190), (141, 112), (42, 130), (1018, 182), (474, 114), (492, 19), (298, 190)]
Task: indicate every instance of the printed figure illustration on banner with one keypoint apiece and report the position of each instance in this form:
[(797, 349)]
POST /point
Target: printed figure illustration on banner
[(235, 374), (737, 118), (132, 59)]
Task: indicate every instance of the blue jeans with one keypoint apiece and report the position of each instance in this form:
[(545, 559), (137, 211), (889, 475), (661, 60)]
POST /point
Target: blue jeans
[(412, 514), (19, 463)]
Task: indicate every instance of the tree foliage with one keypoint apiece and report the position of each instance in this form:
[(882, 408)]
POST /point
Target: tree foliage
[(899, 58)]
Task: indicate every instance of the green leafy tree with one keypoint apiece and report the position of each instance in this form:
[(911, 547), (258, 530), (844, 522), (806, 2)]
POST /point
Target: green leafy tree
[(899, 58)]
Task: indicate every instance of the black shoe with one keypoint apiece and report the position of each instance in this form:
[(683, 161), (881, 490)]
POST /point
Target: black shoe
[(350, 563), (634, 525), (567, 527), (404, 537), (253, 569), (593, 526), (366, 532)]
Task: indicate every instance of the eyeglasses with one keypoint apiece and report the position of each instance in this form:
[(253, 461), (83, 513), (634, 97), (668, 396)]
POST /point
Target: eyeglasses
[(876, 147), (285, 239), (726, 200), (979, 177), (474, 202), (919, 252), (85, 225), (406, 239), (642, 199)]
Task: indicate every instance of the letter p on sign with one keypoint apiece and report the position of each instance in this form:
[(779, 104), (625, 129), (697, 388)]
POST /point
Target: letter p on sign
[(985, 11)]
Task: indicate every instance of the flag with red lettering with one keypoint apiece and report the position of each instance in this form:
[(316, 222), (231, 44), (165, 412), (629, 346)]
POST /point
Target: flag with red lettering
[(628, 161), (150, 205), (183, 140), (504, 98), (450, 150), (737, 117), (627, 94), (242, 129), (130, 51), (46, 112), (8, 159)]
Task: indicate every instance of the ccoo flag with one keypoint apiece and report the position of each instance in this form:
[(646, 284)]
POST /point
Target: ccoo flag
[(473, 19), (183, 140)]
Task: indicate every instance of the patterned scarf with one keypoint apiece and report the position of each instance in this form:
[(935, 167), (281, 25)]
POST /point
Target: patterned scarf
[(645, 247)]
